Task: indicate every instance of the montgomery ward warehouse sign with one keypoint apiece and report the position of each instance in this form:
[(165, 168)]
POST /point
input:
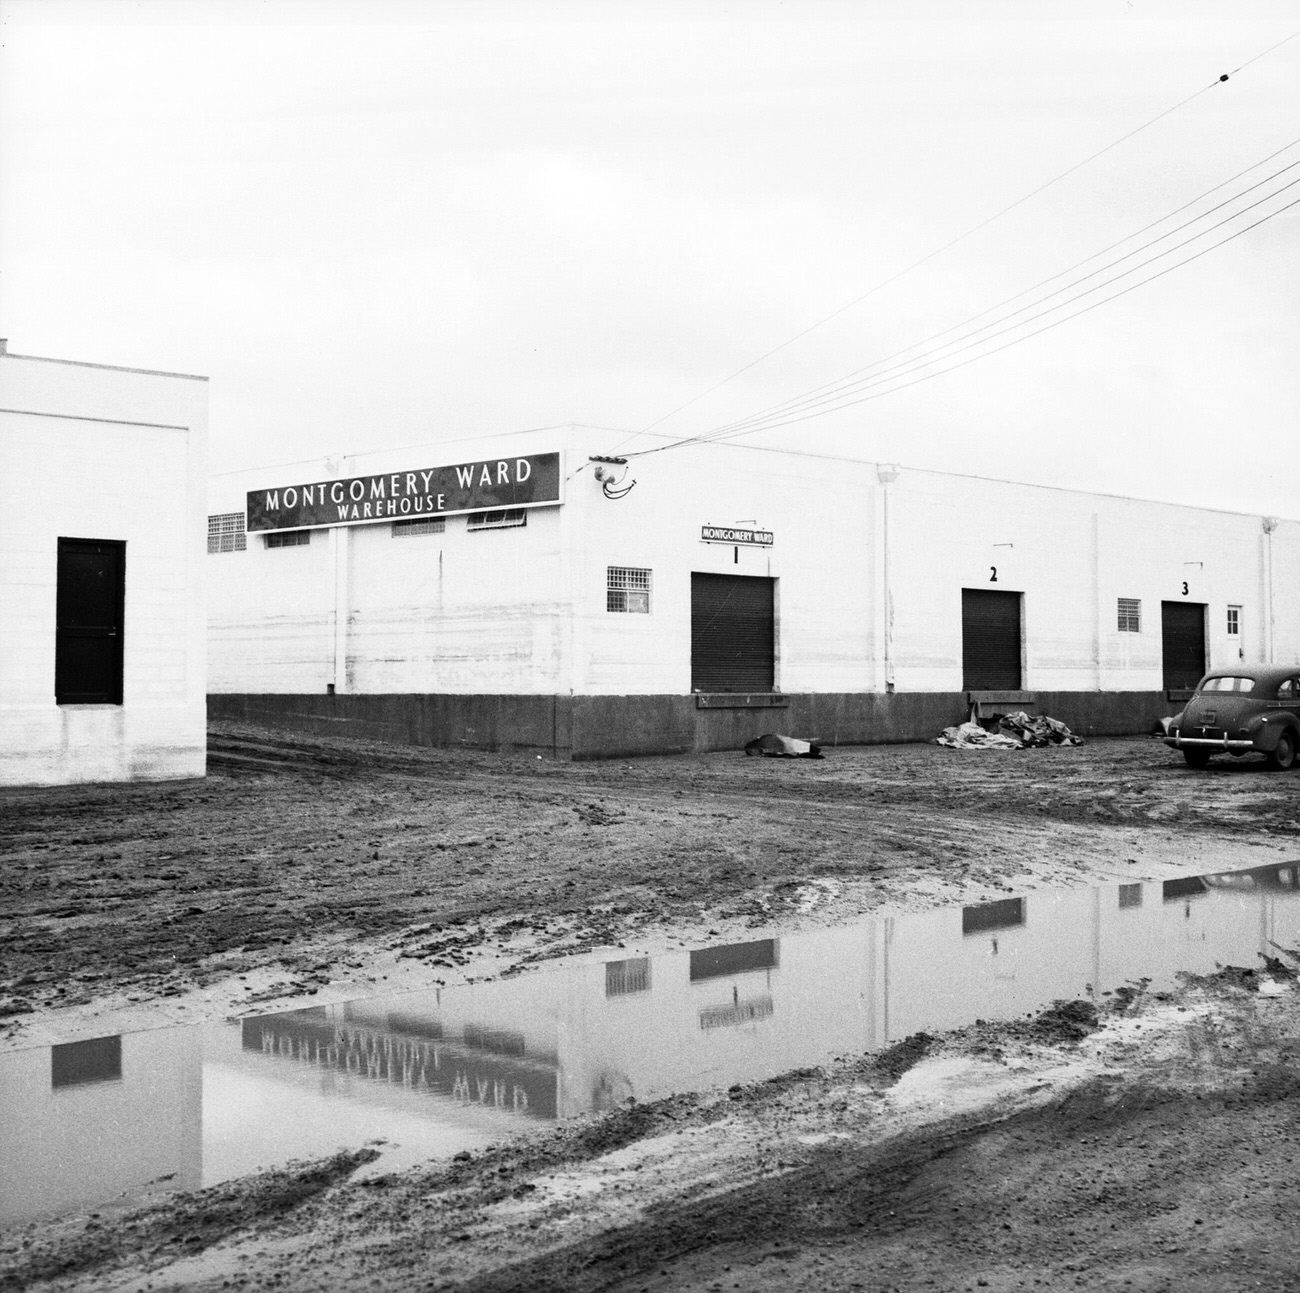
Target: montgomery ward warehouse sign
[(431, 491), (730, 534)]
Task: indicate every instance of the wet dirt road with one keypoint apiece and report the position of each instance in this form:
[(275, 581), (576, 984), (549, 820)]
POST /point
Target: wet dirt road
[(299, 858), (993, 1157)]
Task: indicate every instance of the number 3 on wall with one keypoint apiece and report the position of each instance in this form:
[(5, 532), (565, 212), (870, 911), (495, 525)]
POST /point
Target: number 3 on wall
[(993, 574), (1185, 589)]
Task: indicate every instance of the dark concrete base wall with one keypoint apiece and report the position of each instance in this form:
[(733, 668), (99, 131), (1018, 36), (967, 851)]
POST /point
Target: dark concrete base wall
[(474, 722), (605, 727)]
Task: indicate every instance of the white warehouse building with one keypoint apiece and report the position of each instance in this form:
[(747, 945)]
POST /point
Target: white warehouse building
[(523, 592), (103, 635)]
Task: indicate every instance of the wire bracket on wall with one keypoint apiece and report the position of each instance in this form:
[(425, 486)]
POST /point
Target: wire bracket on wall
[(611, 484)]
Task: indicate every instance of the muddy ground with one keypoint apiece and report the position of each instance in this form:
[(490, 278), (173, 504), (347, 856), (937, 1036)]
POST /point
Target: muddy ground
[(1151, 1145)]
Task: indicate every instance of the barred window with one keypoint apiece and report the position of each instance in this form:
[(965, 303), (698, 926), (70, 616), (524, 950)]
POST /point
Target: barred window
[(507, 519), (627, 589), (226, 532), (288, 538), (1234, 621), (423, 525), (1130, 615), (625, 977)]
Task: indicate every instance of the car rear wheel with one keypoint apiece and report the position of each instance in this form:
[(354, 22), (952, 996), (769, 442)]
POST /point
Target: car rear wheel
[(1283, 755), (1196, 758)]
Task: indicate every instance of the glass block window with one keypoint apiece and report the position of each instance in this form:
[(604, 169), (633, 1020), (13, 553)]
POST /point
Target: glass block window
[(1130, 615), (226, 532), (288, 539), (1234, 621), (424, 525), (627, 589), (508, 519)]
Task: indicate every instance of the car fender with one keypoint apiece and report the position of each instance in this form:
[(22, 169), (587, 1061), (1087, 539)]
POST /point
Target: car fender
[(1266, 730)]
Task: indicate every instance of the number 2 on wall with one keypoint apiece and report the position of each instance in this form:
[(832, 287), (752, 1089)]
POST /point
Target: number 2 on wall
[(993, 574)]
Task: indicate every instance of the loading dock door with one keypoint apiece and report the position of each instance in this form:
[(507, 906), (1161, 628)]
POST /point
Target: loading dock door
[(1182, 643), (733, 633), (990, 640)]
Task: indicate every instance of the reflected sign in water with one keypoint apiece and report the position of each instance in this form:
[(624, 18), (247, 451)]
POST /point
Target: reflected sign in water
[(433, 1073)]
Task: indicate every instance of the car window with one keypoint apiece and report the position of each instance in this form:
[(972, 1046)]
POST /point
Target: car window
[(1286, 690), (1228, 682)]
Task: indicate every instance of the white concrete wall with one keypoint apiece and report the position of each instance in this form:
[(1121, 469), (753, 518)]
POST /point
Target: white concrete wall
[(462, 612), (821, 512), (524, 611), (1072, 556), (271, 616), (116, 454)]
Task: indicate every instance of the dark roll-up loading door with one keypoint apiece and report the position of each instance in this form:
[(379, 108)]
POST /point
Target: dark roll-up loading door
[(990, 640), (1182, 643), (733, 633)]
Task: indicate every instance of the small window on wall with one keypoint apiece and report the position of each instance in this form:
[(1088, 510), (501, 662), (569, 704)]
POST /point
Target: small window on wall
[(288, 539), (625, 977), (425, 525), (627, 589), (1234, 621), (1130, 895), (509, 519), (1130, 615), (77, 1063), (226, 532)]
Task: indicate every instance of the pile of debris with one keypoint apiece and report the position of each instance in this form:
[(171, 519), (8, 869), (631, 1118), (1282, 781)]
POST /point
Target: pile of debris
[(1007, 732), (772, 745)]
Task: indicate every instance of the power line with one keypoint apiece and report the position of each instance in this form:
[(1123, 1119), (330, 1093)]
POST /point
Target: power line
[(848, 403), (882, 370), (959, 239), (881, 364)]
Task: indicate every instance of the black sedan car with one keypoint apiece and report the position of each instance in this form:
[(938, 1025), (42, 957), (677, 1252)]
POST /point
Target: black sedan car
[(1239, 710)]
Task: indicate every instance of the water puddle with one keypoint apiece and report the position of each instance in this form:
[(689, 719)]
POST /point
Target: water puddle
[(433, 1073)]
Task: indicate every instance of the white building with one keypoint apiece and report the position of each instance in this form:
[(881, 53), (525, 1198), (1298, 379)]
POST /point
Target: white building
[(102, 628), (519, 592)]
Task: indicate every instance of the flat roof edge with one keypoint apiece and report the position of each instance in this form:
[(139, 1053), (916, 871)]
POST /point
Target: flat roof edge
[(115, 368)]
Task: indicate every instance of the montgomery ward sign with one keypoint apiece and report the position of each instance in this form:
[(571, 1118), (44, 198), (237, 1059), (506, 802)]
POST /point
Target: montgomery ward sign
[(434, 491), (726, 534)]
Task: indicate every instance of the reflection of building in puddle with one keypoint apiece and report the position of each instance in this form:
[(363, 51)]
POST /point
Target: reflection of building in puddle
[(588, 1035), (484, 1067), (730, 961), (1283, 879), (439, 1071), (734, 958), (1000, 959), (85, 1121)]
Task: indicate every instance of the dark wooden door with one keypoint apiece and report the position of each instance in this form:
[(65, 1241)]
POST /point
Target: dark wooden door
[(89, 608)]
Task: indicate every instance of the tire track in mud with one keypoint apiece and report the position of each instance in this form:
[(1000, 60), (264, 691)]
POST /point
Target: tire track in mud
[(1083, 1189)]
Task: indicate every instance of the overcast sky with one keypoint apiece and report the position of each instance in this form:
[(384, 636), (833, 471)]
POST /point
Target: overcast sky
[(397, 222)]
